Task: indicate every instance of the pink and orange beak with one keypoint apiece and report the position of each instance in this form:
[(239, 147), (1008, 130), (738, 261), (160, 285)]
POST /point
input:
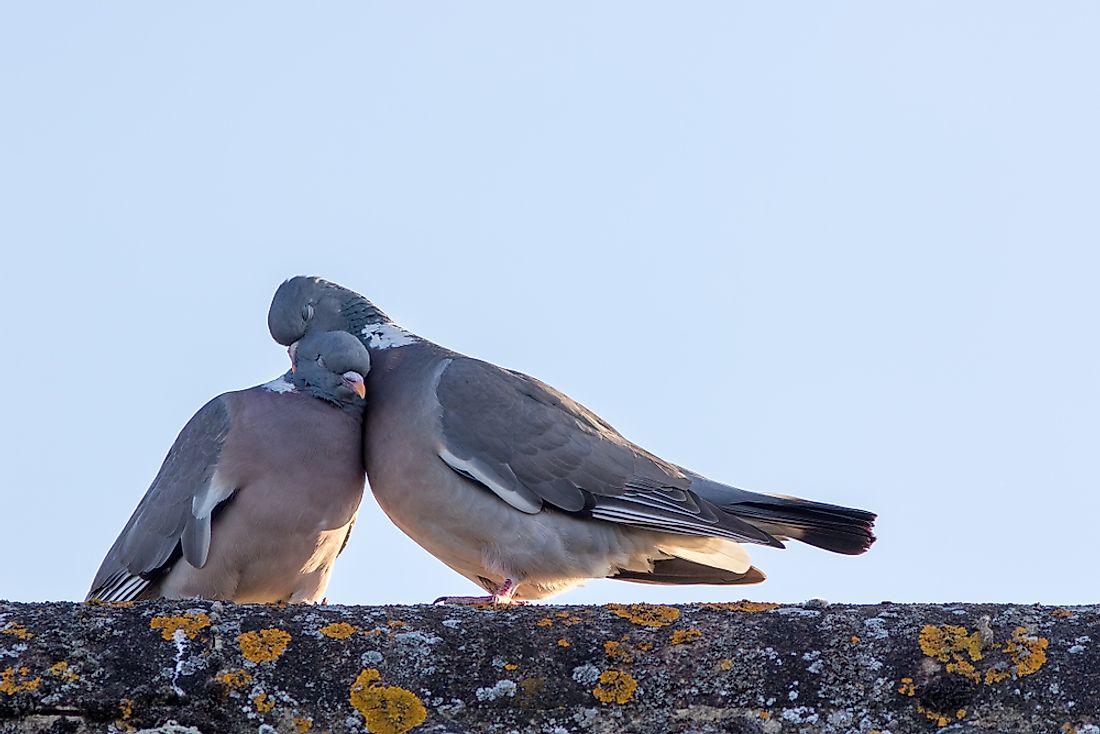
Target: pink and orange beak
[(292, 350), (354, 382)]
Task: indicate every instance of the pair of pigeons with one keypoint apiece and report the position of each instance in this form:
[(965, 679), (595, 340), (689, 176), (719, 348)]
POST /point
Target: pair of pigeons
[(506, 480)]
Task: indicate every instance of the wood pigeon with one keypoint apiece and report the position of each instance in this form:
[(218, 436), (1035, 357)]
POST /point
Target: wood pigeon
[(526, 492), (258, 494)]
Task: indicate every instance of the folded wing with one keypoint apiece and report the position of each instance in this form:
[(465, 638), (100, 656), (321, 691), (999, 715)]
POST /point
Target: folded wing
[(174, 516), (535, 447)]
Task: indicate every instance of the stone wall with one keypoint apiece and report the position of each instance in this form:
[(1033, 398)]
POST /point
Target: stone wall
[(218, 668)]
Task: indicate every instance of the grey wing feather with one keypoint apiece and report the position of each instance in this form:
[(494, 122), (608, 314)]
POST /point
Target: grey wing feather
[(175, 511), (532, 446)]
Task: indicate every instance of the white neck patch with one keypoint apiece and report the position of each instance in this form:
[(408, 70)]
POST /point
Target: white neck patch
[(387, 336), (279, 384)]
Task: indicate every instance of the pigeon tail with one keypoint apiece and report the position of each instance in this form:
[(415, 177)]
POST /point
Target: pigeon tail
[(830, 527)]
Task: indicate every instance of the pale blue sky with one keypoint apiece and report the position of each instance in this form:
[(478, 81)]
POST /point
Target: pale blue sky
[(841, 250)]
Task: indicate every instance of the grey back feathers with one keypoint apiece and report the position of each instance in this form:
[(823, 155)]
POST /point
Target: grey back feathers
[(533, 445)]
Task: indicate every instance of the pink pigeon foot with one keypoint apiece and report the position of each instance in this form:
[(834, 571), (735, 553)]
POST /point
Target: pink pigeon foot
[(501, 597)]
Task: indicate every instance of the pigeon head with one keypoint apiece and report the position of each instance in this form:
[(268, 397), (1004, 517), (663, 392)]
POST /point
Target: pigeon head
[(331, 365), (304, 304)]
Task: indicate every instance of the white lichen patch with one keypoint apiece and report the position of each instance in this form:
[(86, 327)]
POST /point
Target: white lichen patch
[(876, 627), (503, 688), (171, 727), (418, 644), (453, 708), (586, 717), (799, 715), (586, 674)]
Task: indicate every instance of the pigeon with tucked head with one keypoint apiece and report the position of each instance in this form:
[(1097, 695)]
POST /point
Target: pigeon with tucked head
[(526, 492), (258, 494)]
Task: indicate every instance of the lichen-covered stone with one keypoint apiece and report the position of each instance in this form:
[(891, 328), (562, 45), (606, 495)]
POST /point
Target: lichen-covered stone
[(750, 668)]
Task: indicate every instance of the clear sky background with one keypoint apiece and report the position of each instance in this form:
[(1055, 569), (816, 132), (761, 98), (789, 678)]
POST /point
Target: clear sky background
[(848, 251)]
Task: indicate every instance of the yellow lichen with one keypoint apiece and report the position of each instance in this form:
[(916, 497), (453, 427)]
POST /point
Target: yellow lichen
[(263, 646), (646, 615), (682, 637), (126, 708), (746, 606), (235, 678), (397, 623), (61, 670), (263, 702), (302, 725), (385, 709), (938, 718), (856, 639), (954, 646), (959, 649), (545, 622), (338, 630), (563, 642), (616, 651), (616, 686), (644, 646), (907, 688), (17, 630), (725, 664), (568, 619), (1063, 613), (17, 680), (965, 669), (1027, 652), (765, 715), (949, 642), (510, 666), (934, 716), (190, 624)]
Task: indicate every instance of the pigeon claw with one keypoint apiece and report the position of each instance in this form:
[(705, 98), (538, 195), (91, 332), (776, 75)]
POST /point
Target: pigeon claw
[(502, 597)]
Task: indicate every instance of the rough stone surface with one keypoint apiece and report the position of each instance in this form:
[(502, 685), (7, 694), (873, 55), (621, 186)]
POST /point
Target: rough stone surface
[(213, 668)]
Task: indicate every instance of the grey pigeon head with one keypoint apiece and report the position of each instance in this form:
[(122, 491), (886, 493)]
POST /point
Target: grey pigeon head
[(307, 304), (331, 365)]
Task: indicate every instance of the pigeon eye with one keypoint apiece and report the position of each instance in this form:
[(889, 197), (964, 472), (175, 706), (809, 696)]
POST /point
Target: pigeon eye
[(307, 311)]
